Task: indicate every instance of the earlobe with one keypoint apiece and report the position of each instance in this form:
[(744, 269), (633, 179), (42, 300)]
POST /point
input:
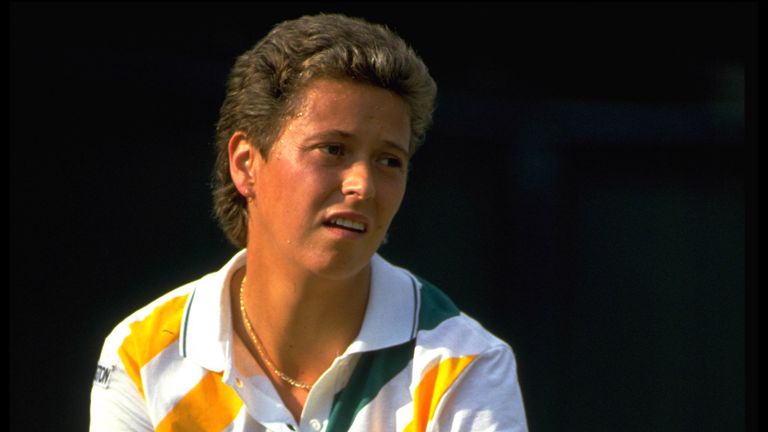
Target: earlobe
[(241, 154)]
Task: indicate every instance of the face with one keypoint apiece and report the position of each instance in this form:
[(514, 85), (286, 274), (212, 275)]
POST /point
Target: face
[(333, 180)]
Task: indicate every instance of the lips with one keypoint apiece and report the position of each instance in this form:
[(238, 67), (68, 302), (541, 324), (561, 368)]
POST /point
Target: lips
[(348, 221), (348, 224)]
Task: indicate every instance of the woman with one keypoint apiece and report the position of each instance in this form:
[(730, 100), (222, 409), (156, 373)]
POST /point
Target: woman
[(307, 328)]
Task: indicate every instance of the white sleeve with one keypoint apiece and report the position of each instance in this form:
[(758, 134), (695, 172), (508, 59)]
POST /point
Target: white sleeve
[(486, 397), (116, 404)]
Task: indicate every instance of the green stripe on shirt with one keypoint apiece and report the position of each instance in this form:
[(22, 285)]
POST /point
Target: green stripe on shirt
[(374, 370), (435, 308)]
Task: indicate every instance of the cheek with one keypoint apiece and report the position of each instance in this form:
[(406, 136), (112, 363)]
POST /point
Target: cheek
[(280, 190), (392, 193), (303, 188)]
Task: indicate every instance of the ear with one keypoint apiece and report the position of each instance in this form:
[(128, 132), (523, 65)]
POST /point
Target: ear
[(241, 163)]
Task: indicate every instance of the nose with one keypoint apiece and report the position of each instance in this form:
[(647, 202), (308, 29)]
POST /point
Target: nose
[(358, 181)]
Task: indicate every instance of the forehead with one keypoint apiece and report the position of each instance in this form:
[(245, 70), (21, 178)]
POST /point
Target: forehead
[(352, 108)]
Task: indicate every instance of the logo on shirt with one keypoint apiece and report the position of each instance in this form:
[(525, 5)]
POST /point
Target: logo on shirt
[(102, 375)]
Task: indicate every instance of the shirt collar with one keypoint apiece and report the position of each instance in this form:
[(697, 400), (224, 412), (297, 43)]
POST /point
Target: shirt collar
[(390, 317), (207, 321)]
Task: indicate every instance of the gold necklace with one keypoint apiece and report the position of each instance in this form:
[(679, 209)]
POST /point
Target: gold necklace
[(261, 350)]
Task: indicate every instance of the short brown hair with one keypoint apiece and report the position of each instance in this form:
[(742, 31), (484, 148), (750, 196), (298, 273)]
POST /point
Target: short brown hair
[(265, 80)]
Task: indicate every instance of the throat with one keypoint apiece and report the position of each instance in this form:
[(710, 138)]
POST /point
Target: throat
[(302, 329)]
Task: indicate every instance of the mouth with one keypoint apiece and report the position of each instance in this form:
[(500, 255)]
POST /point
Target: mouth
[(346, 224)]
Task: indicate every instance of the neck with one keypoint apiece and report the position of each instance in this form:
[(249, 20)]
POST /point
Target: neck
[(303, 321)]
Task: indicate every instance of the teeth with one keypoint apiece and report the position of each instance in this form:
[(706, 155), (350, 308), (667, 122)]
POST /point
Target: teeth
[(357, 226)]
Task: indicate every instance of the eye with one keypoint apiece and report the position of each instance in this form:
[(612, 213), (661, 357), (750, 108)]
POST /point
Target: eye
[(333, 149), (392, 161)]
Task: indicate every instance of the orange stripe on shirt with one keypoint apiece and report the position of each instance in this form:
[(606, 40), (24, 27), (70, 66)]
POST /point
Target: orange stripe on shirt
[(210, 406), (432, 388), (150, 336)]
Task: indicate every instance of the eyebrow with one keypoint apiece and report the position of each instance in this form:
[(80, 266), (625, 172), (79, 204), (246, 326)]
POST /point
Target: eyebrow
[(337, 133)]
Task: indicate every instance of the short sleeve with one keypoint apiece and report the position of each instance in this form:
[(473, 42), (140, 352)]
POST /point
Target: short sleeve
[(116, 404), (486, 397)]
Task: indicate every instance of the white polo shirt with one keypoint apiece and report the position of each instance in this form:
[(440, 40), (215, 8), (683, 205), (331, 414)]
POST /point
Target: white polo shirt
[(418, 364)]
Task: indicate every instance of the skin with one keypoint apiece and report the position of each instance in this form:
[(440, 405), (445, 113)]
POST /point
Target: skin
[(345, 152)]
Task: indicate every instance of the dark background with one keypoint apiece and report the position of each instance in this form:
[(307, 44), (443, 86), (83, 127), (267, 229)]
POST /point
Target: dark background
[(584, 192)]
